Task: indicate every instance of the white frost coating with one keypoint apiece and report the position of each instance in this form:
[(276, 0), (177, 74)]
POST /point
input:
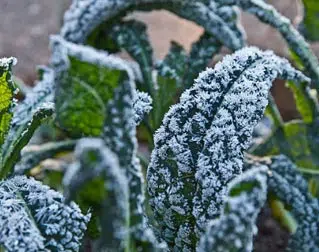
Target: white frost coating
[(83, 16), (6, 63), (142, 105), (114, 217), (235, 228), (206, 134), (34, 218)]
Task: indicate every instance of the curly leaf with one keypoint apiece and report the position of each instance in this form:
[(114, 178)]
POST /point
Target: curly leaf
[(310, 24), (269, 15), (84, 16), (35, 218), (132, 37), (291, 188), (198, 148), (7, 90), (94, 160), (235, 228), (85, 82)]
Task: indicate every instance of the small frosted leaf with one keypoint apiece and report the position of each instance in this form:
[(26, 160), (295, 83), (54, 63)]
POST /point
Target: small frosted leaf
[(199, 147), (35, 218), (142, 105), (235, 228)]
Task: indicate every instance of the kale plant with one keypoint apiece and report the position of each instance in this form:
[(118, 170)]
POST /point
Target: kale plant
[(206, 179)]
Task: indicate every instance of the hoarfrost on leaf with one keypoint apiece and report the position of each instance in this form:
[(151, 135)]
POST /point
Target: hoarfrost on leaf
[(35, 218), (199, 147)]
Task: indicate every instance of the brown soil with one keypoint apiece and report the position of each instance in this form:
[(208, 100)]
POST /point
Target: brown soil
[(271, 236)]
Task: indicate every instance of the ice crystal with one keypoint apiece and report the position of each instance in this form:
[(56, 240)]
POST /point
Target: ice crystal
[(198, 148)]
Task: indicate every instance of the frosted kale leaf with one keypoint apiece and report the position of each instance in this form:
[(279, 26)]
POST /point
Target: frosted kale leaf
[(269, 15), (235, 228), (220, 22), (84, 16), (85, 82), (132, 37), (35, 218), (7, 90), (287, 183), (142, 105), (19, 123), (94, 160), (198, 148)]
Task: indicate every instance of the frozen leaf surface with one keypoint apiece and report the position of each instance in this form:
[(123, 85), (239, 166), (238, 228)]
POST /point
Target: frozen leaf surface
[(35, 218), (199, 147), (235, 228)]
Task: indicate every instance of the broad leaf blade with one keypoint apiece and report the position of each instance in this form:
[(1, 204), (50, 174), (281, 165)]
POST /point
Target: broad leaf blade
[(235, 228), (199, 147), (85, 80), (35, 218)]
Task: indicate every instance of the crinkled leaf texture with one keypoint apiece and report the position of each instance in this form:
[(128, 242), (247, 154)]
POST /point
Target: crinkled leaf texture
[(84, 16), (35, 218), (27, 117), (235, 228), (291, 187), (199, 147), (95, 160)]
